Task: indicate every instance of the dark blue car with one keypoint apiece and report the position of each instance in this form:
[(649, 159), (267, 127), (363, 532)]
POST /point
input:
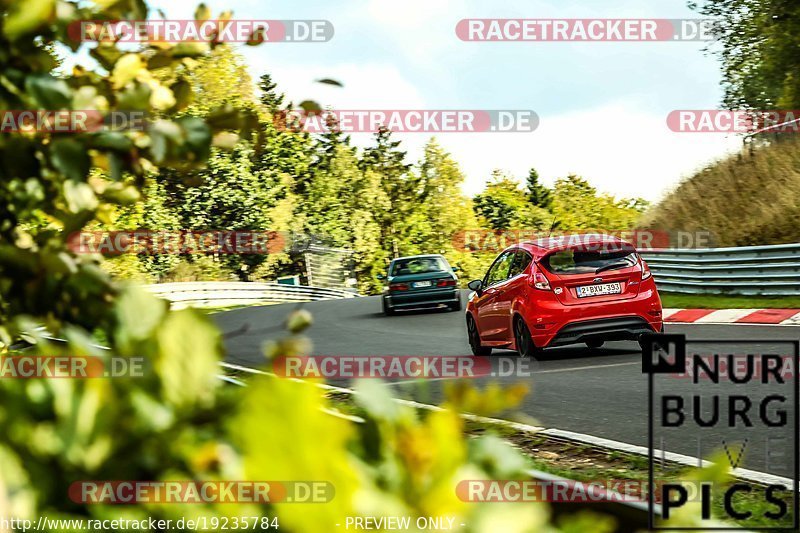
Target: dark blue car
[(420, 281)]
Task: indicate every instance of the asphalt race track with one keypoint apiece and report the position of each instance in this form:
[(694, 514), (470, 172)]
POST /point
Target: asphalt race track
[(597, 392)]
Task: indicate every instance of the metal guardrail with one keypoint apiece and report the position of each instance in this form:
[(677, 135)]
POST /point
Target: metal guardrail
[(748, 270), (230, 293)]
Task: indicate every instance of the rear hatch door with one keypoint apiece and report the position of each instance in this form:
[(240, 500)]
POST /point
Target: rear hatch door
[(582, 275)]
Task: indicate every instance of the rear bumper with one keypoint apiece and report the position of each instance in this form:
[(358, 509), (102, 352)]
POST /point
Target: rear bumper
[(606, 329), (553, 324), (429, 298)]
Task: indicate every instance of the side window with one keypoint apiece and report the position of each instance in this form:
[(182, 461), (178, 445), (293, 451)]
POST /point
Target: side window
[(521, 262), (500, 269)]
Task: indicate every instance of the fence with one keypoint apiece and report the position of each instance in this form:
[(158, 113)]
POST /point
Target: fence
[(329, 267), (749, 270), (230, 293)]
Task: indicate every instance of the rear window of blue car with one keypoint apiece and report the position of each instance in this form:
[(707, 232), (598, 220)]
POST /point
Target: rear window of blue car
[(418, 265)]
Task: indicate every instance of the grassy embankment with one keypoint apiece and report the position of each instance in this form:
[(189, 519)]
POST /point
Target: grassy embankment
[(752, 198)]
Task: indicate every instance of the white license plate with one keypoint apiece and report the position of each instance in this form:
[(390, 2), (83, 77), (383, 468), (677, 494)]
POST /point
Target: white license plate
[(423, 283), (599, 290)]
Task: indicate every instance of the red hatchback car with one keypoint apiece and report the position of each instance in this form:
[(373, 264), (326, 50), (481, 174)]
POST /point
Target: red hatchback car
[(563, 290)]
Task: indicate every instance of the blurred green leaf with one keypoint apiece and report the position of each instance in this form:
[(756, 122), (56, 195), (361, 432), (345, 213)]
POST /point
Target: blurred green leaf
[(126, 69), (202, 12), (328, 81), (189, 351), (138, 313), (136, 96), (106, 54), (70, 158), (299, 320), (27, 16), (197, 137), (296, 408), (190, 49), (227, 118), (374, 397), (310, 106), (182, 90), (49, 92), (162, 98), (110, 140), (80, 197)]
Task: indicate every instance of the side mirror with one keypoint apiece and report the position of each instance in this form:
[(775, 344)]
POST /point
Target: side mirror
[(455, 269), (380, 277), (476, 285)]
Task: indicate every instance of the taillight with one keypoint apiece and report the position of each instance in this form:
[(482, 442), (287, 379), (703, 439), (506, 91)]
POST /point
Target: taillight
[(540, 282), (645, 271), (446, 283), (398, 287)]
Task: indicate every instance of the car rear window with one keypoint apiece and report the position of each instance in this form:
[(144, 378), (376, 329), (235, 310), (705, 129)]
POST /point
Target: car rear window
[(418, 265), (589, 261)]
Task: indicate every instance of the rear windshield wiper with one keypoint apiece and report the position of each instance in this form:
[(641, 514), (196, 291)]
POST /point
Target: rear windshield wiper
[(611, 266)]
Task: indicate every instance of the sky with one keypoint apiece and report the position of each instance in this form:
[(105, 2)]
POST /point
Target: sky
[(602, 105)]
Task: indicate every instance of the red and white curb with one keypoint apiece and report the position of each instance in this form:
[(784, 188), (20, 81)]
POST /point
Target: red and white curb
[(785, 317)]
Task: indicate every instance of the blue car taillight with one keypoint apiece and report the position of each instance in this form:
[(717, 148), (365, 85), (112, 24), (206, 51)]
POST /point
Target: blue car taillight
[(446, 283)]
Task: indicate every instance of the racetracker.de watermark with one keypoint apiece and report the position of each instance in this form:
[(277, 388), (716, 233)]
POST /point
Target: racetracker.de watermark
[(70, 367), (408, 120), (586, 30), (147, 242), (216, 31), (569, 491), (487, 240), (733, 121), (561, 490), (200, 492), (402, 366), (70, 121)]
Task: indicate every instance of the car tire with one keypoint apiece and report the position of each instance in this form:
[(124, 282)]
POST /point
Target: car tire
[(387, 310), (523, 339), (455, 306), (594, 344), (475, 338)]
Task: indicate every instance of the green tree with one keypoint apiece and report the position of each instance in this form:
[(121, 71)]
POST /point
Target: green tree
[(151, 213), (342, 206), (219, 78), (329, 143), (759, 42), (577, 205), (504, 204), (227, 195), (445, 214), (270, 97), (445, 210), (538, 194), (403, 189)]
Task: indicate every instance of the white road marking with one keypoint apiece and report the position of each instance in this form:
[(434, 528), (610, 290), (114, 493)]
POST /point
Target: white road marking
[(585, 367), (792, 320), (724, 316), (665, 313)]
